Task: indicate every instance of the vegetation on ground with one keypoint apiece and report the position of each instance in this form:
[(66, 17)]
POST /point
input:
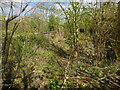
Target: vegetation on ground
[(73, 46)]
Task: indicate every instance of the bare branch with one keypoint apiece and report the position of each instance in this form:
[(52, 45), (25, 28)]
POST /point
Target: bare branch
[(34, 7), (17, 15), (3, 12), (14, 29), (65, 15), (10, 9)]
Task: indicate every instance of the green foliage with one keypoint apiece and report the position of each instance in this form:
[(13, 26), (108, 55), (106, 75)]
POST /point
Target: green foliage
[(54, 83), (39, 40), (51, 23), (38, 60)]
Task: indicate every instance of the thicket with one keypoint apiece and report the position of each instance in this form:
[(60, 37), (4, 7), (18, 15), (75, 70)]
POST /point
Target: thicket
[(78, 49)]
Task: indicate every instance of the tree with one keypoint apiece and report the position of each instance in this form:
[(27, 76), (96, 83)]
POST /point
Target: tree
[(8, 34), (7, 70), (51, 22), (100, 32), (73, 15)]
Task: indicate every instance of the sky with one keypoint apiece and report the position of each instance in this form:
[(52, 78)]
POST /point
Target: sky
[(58, 0), (6, 4)]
